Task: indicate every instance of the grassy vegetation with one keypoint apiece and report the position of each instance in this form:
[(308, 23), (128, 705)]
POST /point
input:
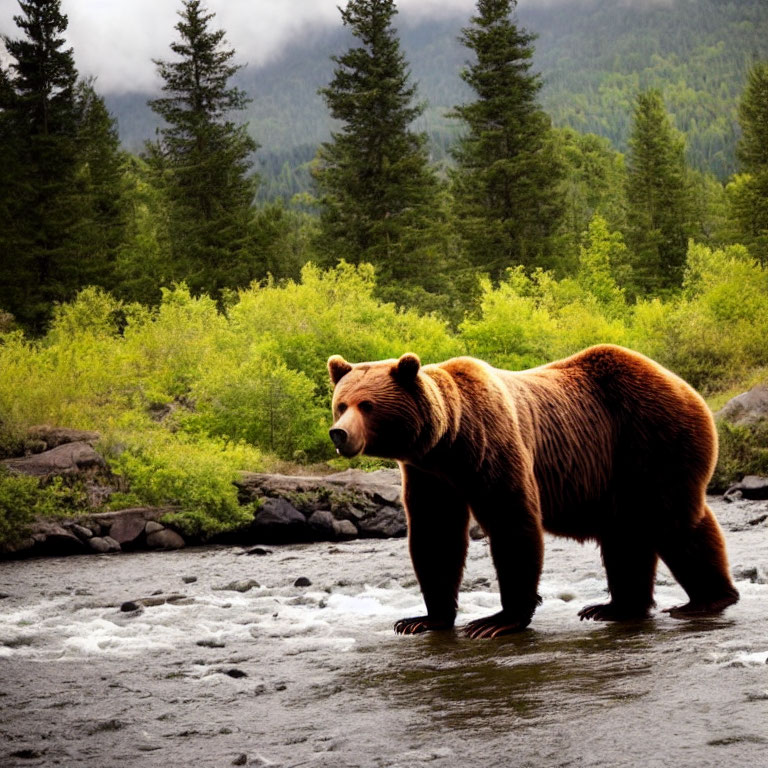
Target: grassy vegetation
[(185, 395)]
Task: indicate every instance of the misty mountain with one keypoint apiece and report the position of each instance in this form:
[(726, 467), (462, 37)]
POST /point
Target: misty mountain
[(593, 56)]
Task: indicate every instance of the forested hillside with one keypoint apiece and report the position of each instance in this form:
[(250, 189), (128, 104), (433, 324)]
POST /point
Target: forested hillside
[(166, 298), (594, 57)]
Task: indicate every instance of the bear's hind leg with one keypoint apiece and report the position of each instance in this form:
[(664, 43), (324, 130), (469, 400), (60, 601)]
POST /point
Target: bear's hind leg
[(630, 565), (697, 559)]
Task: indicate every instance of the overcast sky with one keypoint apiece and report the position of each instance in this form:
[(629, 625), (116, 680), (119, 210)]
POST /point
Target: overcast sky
[(116, 40)]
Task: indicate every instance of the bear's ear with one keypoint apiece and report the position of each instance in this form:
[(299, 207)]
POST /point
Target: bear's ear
[(407, 367), (338, 367)]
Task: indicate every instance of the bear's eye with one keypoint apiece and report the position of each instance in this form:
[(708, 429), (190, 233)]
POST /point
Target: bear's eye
[(341, 407), (365, 406)]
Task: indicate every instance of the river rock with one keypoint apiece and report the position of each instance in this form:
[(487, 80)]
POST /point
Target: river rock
[(67, 459), (360, 503), (344, 529), (277, 522), (53, 437), (127, 526), (152, 526), (747, 408), (321, 525), (238, 586), (97, 544), (751, 487), (387, 522), (165, 539), (53, 539), (80, 530)]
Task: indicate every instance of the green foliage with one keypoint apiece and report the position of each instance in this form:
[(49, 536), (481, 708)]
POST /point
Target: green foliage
[(262, 401), (23, 498), (658, 195), (505, 185), (202, 160), (529, 320), (716, 332), (378, 197), (743, 451), (194, 474), (60, 178), (748, 192)]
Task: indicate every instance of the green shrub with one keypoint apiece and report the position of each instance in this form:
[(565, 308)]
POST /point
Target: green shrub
[(743, 451), (195, 474), (24, 498)]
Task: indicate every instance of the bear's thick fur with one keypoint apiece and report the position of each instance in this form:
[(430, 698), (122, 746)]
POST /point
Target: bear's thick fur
[(605, 445)]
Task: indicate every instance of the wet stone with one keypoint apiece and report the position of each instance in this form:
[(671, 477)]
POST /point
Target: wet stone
[(165, 539), (240, 760), (259, 551), (130, 606), (302, 581), (153, 526), (97, 544), (189, 579), (81, 531), (238, 586), (211, 644), (235, 673)]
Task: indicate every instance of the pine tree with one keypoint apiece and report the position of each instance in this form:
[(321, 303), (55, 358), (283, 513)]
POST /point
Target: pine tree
[(659, 214), (41, 124), (101, 223), (379, 198), (202, 159), (748, 192), (506, 182), (57, 157)]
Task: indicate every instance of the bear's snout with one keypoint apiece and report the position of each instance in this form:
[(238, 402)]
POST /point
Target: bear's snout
[(339, 437)]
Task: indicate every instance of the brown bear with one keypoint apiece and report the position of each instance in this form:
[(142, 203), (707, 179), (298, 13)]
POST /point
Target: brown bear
[(605, 445)]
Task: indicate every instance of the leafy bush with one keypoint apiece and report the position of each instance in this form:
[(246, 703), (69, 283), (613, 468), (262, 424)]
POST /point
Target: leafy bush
[(194, 474), (23, 498), (743, 451)]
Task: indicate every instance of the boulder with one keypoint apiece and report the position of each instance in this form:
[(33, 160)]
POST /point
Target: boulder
[(344, 529), (749, 487), (54, 540), (387, 522), (152, 526), (127, 526), (338, 506), (53, 437), (321, 525), (67, 459), (165, 539), (97, 544), (747, 408), (277, 522)]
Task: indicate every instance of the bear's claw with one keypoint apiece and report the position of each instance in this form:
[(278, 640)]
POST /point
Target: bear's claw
[(496, 625), (416, 624), (702, 609), (612, 612)]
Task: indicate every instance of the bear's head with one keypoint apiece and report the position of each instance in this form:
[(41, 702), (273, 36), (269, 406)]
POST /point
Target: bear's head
[(388, 409)]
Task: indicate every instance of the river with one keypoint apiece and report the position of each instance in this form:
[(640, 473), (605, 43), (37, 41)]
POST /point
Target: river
[(313, 675)]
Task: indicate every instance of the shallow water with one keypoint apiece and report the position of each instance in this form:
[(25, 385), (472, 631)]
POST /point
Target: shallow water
[(314, 676)]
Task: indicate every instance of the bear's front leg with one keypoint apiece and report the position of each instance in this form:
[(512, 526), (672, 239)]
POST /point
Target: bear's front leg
[(512, 521), (438, 522)]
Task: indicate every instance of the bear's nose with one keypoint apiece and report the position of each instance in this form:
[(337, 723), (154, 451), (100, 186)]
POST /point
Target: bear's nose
[(339, 436)]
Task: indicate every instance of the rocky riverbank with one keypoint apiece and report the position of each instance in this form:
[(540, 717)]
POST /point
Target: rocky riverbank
[(289, 509)]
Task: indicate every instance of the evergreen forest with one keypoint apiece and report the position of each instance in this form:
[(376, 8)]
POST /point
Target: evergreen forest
[(585, 180)]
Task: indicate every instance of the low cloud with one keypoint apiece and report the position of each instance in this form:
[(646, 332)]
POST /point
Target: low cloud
[(116, 40)]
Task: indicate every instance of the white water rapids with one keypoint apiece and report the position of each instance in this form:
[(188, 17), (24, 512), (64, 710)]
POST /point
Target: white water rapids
[(293, 676)]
